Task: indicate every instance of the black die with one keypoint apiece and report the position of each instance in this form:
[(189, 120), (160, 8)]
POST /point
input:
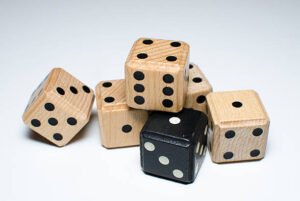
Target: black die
[(173, 144)]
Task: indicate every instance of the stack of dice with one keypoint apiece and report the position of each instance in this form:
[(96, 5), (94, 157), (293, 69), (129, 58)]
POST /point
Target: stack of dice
[(165, 105)]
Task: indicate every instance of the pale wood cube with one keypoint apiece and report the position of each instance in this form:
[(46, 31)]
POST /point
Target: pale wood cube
[(59, 108), (156, 74), (198, 88), (120, 125), (239, 126)]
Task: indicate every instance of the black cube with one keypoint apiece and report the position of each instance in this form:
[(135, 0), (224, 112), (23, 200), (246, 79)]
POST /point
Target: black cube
[(173, 145)]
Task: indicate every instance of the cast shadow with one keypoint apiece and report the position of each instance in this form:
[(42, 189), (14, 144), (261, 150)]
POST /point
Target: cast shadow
[(34, 136)]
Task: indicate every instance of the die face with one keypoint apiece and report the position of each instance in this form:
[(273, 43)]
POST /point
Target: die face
[(157, 53), (120, 125), (68, 90), (198, 88), (173, 145), (167, 160), (54, 116), (51, 121), (121, 128), (239, 128), (110, 95), (181, 125), (236, 106), (159, 90), (147, 76), (233, 144)]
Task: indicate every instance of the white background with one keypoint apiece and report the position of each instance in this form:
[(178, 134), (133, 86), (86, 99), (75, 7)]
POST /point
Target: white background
[(238, 44)]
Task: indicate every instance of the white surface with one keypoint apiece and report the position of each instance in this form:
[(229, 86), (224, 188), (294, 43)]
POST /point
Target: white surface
[(238, 44)]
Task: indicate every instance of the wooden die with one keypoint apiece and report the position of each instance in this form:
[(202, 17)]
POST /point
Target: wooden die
[(239, 126), (59, 108), (156, 74), (198, 88), (120, 125)]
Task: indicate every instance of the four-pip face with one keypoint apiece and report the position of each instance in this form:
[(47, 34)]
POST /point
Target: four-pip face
[(156, 75)]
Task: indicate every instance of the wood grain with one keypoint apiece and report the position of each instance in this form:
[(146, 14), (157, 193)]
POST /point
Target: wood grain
[(154, 68), (242, 120), (198, 88), (113, 116), (69, 105)]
